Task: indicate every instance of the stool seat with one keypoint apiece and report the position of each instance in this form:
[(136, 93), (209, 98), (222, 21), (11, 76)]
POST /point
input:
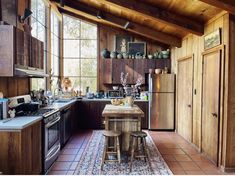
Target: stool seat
[(140, 134), (111, 133)]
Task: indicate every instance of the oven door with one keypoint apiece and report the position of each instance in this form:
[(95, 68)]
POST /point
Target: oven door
[(52, 142)]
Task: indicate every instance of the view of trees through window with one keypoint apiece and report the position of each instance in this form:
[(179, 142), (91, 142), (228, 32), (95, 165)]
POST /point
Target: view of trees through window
[(39, 30), (55, 46), (80, 53)]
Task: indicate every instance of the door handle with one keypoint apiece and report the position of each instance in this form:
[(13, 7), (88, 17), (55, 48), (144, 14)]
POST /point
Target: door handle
[(214, 114), (189, 105)]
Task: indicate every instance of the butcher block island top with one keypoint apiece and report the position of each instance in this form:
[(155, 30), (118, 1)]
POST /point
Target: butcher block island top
[(124, 119), (122, 111)]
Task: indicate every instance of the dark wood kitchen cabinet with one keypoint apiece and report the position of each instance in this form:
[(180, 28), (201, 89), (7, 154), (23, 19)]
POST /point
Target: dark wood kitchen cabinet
[(107, 71), (8, 9), (112, 69), (21, 151), (36, 59), (91, 114), (144, 106), (18, 47), (23, 41)]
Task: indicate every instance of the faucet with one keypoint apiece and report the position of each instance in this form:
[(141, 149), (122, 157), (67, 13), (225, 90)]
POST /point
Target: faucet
[(59, 92)]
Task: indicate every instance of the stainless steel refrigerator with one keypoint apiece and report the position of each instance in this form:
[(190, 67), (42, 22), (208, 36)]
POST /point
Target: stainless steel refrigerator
[(161, 101)]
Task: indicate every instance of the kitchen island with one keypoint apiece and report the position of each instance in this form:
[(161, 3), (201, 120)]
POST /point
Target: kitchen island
[(124, 119)]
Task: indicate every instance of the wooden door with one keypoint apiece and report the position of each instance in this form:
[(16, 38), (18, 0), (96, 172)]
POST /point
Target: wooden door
[(210, 104), (185, 98)]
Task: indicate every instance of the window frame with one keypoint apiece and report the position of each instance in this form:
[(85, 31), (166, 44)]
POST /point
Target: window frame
[(80, 58)]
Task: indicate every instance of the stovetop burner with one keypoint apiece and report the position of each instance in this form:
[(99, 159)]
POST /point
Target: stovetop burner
[(33, 110), (42, 112)]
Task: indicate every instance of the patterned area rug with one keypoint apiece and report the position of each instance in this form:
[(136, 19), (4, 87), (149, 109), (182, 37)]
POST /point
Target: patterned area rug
[(90, 162)]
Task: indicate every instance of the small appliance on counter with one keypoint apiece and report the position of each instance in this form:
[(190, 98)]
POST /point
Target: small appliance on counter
[(115, 94), (3, 108)]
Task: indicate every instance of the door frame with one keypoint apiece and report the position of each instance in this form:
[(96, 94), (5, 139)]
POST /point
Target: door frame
[(221, 49), (180, 60)]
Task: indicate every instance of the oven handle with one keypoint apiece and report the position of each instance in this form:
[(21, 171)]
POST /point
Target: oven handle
[(50, 155), (53, 122)]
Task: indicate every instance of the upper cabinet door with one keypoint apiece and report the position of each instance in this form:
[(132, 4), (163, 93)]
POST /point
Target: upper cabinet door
[(107, 71), (8, 9)]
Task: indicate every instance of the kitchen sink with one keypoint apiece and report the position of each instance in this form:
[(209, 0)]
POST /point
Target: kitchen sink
[(62, 100)]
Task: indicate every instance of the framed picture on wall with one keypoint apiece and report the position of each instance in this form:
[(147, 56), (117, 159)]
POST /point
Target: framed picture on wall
[(121, 43), (135, 47), (213, 39)]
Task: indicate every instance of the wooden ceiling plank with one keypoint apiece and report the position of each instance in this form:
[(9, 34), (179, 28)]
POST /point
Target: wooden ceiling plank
[(112, 27), (160, 15), (120, 22), (228, 5)]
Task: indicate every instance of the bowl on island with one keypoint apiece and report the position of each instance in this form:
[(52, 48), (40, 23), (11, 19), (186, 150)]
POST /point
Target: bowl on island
[(116, 102)]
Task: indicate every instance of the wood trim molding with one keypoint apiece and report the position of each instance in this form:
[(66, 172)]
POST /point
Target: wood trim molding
[(160, 15), (110, 19), (211, 50), (228, 5), (186, 57)]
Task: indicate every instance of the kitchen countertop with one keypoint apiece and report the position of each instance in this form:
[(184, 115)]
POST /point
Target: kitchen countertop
[(107, 99), (19, 123), (62, 105)]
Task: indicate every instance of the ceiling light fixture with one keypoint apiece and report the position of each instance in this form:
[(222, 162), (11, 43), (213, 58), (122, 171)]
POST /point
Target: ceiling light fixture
[(99, 15), (62, 3), (127, 25), (27, 14)]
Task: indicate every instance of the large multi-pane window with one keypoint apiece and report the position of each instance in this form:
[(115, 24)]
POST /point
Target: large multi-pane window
[(80, 53), (55, 52), (39, 31)]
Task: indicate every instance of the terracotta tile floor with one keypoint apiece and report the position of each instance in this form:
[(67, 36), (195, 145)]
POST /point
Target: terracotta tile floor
[(181, 157)]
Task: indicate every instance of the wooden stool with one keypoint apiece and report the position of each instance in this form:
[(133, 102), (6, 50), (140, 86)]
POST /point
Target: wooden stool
[(135, 136), (115, 150)]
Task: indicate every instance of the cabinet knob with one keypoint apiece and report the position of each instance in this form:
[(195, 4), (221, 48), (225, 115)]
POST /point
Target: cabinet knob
[(189, 105), (214, 114)]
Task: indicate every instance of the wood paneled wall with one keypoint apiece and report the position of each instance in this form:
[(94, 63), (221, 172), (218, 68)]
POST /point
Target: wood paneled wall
[(193, 45), (106, 37), (14, 86), (229, 103)]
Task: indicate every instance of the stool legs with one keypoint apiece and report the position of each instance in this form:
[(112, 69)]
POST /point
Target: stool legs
[(104, 152), (142, 148), (118, 151), (113, 150), (132, 152)]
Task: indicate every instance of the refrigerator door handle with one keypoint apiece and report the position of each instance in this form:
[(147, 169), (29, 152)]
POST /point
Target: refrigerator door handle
[(150, 83), (150, 100)]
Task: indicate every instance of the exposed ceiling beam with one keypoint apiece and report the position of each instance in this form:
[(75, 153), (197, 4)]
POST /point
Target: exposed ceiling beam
[(113, 20), (115, 28), (228, 5), (160, 15)]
